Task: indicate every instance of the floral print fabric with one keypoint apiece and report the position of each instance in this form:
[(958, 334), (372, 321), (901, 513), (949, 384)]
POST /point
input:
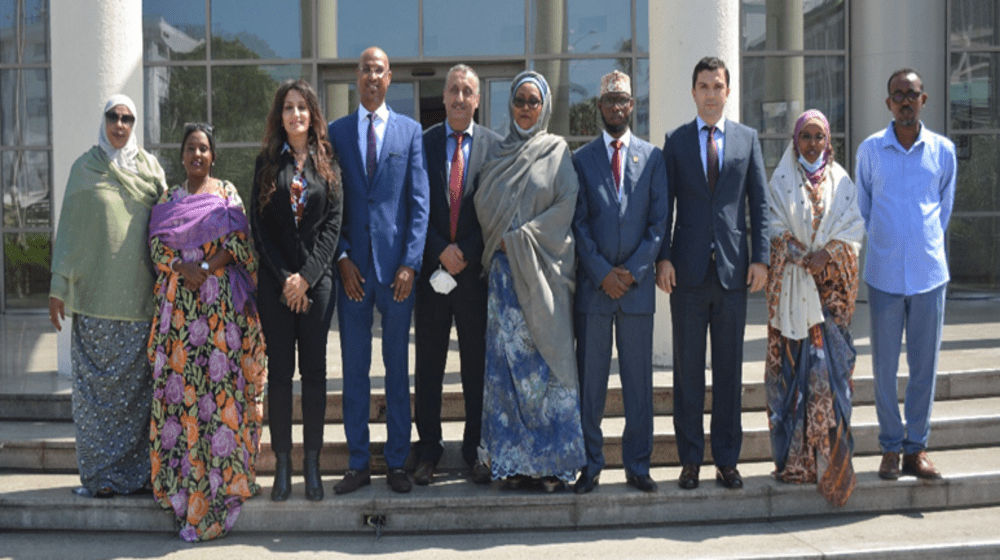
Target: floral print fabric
[(112, 389), (531, 422), (208, 372)]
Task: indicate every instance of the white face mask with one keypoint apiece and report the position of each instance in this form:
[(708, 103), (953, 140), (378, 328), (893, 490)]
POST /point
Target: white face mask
[(811, 167)]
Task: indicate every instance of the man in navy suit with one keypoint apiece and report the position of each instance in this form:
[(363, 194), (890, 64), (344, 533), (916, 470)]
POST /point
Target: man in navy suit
[(380, 250), (620, 219), (716, 175), (455, 150)]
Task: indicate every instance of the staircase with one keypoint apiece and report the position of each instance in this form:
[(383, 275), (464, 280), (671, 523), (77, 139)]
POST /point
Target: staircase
[(38, 465)]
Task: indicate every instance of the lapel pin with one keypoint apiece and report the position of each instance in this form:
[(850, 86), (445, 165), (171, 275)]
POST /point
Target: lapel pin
[(635, 159)]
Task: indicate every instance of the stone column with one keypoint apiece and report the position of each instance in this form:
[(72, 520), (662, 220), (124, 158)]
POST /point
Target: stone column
[(87, 68), (916, 39), (680, 34), (337, 95)]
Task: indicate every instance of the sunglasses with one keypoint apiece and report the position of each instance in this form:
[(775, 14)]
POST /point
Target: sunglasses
[(531, 102), (899, 96), (112, 118)]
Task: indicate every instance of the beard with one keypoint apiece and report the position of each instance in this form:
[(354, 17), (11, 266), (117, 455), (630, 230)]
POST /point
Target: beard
[(614, 129)]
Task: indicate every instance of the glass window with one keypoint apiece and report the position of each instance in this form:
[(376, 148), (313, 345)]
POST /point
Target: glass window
[(175, 95), (26, 202), (780, 25), (24, 31), (390, 24), (24, 107), (242, 96), (974, 253), (775, 91), (27, 259), (399, 97), (584, 90), (499, 114), (268, 29), (975, 77), (640, 91), (977, 186), (473, 28), (173, 30), (974, 23), (236, 165), (642, 26), (590, 26)]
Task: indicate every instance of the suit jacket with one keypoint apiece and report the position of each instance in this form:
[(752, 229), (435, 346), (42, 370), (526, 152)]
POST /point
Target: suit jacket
[(385, 219), (704, 217), (469, 235), (610, 232), (285, 249)]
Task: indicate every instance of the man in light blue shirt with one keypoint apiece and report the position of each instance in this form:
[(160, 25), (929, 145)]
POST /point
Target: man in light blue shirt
[(906, 188)]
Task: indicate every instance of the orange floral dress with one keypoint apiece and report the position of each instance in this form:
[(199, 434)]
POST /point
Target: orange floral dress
[(208, 372)]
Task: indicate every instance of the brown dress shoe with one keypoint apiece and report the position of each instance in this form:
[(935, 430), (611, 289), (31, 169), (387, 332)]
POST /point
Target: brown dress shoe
[(729, 477), (689, 476), (424, 474), (889, 469), (918, 465)]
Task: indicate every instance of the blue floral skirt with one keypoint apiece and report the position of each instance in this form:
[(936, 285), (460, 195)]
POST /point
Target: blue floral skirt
[(531, 422)]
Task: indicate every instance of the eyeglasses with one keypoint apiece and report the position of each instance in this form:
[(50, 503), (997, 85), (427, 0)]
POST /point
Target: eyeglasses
[(373, 71), (531, 102), (620, 101), (113, 118), (899, 96)]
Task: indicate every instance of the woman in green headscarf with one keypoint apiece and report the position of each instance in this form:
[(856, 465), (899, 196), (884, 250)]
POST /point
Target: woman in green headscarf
[(102, 274)]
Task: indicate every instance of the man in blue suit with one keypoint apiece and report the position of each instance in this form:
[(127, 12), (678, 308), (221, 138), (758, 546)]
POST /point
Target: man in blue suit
[(620, 219), (716, 175), (380, 251)]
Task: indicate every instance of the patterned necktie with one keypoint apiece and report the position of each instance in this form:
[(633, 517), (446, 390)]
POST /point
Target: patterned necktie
[(455, 182), (711, 159), (371, 158), (616, 164)]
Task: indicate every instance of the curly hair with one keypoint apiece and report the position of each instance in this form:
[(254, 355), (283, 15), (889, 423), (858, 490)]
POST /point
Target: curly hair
[(320, 151)]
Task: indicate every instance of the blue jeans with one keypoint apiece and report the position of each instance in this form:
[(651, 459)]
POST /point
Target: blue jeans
[(922, 315)]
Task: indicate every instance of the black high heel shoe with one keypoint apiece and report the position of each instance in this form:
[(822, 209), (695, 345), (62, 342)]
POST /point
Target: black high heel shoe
[(282, 477), (314, 486)]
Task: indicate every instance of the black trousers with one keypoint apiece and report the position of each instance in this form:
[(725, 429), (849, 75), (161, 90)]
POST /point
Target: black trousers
[(433, 315), (283, 329)]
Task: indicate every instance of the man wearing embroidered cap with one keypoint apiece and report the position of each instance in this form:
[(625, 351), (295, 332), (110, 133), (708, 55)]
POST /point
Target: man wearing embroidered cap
[(621, 213)]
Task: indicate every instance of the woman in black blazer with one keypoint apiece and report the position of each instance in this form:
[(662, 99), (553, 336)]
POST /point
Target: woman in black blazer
[(295, 212)]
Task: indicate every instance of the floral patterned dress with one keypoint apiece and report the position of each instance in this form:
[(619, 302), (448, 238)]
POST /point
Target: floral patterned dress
[(208, 372)]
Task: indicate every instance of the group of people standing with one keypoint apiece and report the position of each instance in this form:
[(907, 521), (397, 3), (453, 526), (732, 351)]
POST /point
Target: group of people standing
[(183, 301)]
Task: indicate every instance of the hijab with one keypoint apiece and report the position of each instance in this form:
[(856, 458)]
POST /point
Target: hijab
[(813, 172), (125, 157)]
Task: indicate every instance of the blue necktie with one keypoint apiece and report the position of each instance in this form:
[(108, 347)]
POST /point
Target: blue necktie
[(371, 160)]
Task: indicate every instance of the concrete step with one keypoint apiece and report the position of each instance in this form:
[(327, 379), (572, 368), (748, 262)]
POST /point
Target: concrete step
[(950, 385), (972, 479), (962, 423)]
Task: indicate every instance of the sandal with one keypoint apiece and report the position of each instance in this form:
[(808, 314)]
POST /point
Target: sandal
[(105, 493)]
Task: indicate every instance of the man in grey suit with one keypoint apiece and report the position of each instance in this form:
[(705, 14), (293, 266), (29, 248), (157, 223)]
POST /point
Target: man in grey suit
[(621, 214), (455, 150), (716, 175)]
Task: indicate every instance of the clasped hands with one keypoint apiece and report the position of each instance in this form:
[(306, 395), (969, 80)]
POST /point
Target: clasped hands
[(352, 279), (666, 276), (294, 291), (617, 282)]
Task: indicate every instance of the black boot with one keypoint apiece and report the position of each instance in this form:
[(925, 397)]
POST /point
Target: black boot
[(314, 486), (282, 477)]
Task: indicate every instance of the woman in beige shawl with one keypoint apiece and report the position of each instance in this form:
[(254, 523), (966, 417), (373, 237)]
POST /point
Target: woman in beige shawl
[(815, 229), (525, 202), (103, 275)]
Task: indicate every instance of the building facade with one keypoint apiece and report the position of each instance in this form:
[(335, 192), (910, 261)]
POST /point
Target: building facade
[(221, 60)]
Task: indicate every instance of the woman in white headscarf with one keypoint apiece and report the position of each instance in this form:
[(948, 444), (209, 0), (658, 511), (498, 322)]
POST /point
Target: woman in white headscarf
[(525, 203), (815, 229), (102, 274)]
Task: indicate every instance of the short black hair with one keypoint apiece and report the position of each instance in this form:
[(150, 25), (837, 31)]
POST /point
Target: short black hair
[(191, 128), (710, 63), (903, 72)]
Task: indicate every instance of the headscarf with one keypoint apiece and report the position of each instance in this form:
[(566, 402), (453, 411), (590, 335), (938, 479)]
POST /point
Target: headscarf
[(814, 116), (125, 157), (526, 197)]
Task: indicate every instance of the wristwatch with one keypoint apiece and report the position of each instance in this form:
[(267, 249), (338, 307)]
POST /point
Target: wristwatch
[(204, 266)]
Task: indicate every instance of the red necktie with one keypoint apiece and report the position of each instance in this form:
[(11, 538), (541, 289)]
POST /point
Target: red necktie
[(455, 182), (616, 164), (711, 159)]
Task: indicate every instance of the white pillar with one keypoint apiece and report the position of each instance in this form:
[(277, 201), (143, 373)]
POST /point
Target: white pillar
[(916, 39), (96, 52), (680, 34)]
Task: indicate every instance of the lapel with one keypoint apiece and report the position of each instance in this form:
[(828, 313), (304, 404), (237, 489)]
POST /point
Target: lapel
[(435, 149), (695, 144), (733, 142), (355, 148), (477, 155), (637, 156), (600, 162)]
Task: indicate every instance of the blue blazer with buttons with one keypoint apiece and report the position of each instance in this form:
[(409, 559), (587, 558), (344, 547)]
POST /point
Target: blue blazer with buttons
[(385, 219)]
